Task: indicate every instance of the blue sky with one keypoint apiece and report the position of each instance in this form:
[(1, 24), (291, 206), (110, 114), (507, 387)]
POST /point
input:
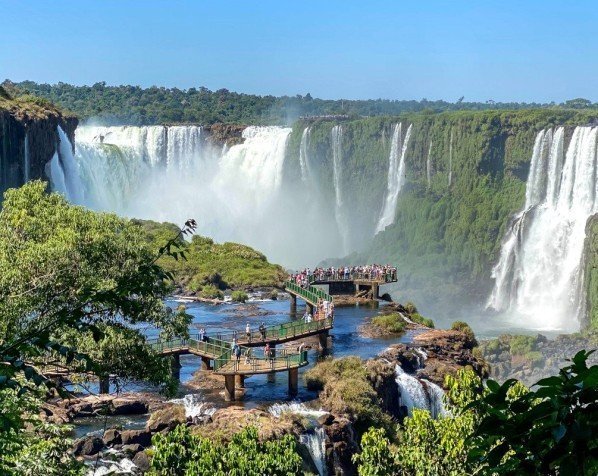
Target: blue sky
[(502, 50)]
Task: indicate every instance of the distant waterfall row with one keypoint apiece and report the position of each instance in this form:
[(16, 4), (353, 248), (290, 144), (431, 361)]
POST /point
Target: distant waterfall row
[(539, 273)]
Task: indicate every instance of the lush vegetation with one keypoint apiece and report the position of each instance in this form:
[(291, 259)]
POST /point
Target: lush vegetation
[(159, 105), (181, 453), (493, 429), (346, 389), (72, 285), (445, 237), (591, 274), (392, 323), (210, 268)]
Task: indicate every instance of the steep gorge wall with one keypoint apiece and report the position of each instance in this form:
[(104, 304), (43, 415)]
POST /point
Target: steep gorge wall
[(447, 232), (36, 122), (591, 273)]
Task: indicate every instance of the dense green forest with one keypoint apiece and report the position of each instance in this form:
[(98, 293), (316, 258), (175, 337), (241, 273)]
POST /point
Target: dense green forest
[(446, 236), (134, 105)]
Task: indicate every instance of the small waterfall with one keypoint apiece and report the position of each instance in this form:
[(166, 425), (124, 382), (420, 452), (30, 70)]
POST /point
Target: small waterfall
[(278, 409), (421, 356), (195, 406), (336, 135), (450, 174), (429, 165), (421, 394), (63, 171), (316, 444), (111, 467), (306, 175), (539, 273), (396, 176), (26, 160)]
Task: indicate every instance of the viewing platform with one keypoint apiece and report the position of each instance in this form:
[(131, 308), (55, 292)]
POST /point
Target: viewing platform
[(216, 352), (357, 283)]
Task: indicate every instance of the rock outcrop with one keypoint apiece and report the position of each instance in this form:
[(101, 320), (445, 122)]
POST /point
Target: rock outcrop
[(36, 121), (226, 134), (446, 352)]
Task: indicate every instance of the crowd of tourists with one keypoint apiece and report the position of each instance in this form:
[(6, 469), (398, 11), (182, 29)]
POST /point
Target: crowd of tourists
[(345, 273)]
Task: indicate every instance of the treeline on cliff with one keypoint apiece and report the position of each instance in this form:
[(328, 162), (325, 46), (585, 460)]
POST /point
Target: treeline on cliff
[(446, 236), (159, 105)]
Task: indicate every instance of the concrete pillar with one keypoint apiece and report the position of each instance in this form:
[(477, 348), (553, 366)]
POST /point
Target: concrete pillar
[(205, 364), (293, 303), (240, 381), (293, 382), (229, 388), (375, 291), (105, 384), (323, 340), (175, 366)]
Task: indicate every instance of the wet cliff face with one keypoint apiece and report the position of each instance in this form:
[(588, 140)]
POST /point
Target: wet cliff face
[(591, 274), (464, 178), (28, 139)]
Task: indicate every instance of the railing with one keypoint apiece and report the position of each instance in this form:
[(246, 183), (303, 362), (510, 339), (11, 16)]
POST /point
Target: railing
[(282, 331), (280, 360), (390, 277), (310, 294)]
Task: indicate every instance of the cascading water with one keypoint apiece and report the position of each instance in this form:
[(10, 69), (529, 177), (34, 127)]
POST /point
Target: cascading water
[(450, 174), (396, 176), (419, 393), (63, 171), (306, 174), (315, 438), (26, 160), (429, 165), (315, 441), (336, 137), (173, 173), (195, 406), (539, 274)]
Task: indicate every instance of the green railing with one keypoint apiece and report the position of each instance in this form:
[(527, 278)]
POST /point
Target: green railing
[(280, 332), (310, 294), (390, 277), (281, 359), (223, 353)]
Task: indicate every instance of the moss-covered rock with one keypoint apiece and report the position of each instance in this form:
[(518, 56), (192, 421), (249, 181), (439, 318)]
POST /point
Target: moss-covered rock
[(210, 268), (591, 275)]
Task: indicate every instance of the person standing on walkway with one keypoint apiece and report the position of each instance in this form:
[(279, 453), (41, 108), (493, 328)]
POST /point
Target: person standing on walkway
[(263, 330), (248, 332)]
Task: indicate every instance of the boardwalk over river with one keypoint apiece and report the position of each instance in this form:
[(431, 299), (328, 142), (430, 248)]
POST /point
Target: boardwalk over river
[(216, 352)]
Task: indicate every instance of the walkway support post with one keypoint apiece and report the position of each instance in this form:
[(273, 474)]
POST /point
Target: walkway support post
[(105, 384), (175, 366), (205, 364), (240, 380), (293, 382), (229, 388), (293, 303), (323, 340)]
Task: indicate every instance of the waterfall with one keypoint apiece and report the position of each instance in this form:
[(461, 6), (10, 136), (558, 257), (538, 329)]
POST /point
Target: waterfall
[(429, 165), (316, 444), (336, 135), (306, 175), (450, 174), (539, 273), (278, 409), (171, 173), (195, 406), (418, 393), (63, 170), (26, 160), (396, 176)]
